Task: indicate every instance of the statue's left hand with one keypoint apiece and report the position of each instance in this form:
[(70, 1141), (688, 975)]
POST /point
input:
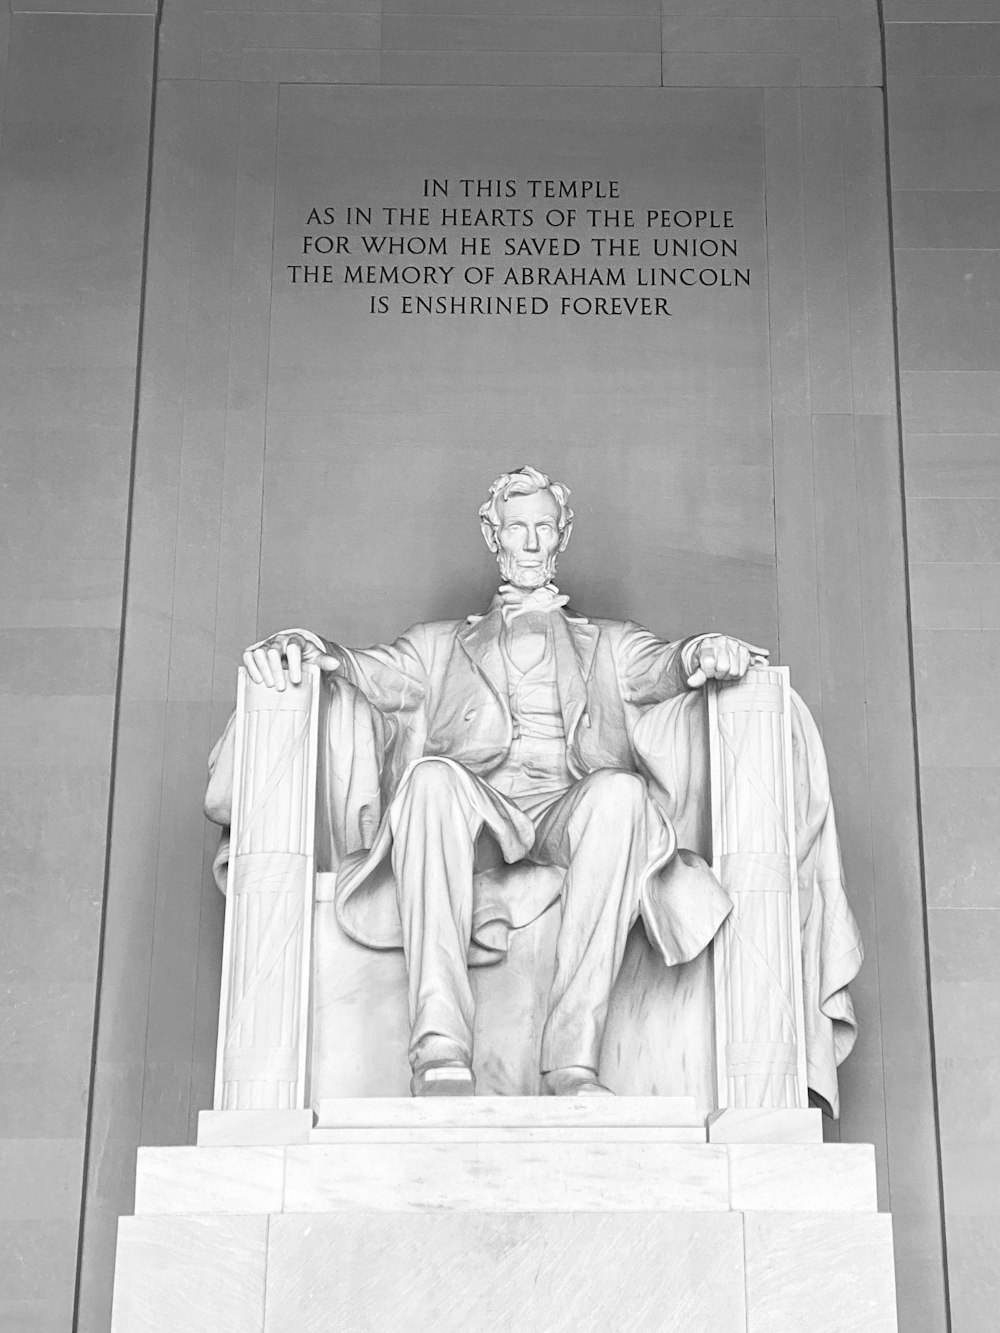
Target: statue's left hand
[(277, 661), (719, 657)]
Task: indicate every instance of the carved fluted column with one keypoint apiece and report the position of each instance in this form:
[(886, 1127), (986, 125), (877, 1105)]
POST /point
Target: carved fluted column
[(263, 1053), (760, 1041)]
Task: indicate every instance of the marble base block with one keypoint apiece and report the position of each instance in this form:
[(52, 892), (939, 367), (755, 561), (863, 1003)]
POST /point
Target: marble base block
[(517, 1168), (526, 1216), (190, 1274), (819, 1272), (507, 1112), (736, 1124), (522, 1273), (254, 1128)]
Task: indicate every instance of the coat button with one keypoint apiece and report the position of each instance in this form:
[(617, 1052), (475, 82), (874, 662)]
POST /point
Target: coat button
[(586, 719)]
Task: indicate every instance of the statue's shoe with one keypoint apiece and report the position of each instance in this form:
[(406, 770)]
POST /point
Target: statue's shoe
[(443, 1078), (573, 1081)]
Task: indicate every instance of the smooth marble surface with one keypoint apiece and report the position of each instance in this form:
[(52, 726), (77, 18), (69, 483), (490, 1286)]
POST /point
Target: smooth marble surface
[(210, 1180), (190, 1275), (746, 1125), (509, 1134), (73, 161), (494, 1112), (423, 1166), (506, 1177), (942, 122), (254, 1127), (502, 1235), (837, 1177), (827, 1275), (526, 1272)]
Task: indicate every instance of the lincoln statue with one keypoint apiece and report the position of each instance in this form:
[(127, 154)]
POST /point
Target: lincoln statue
[(514, 740)]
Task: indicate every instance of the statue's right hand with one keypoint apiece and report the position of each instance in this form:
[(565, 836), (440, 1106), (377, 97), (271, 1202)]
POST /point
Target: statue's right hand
[(278, 660)]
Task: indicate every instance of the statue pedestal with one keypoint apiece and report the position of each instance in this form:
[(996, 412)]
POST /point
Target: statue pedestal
[(511, 1213)]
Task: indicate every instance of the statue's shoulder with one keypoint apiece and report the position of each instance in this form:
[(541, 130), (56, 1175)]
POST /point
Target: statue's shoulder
[(612, 628), (436, 631)]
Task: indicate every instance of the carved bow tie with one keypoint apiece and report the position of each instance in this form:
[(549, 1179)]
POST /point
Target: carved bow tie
[(516, 602)]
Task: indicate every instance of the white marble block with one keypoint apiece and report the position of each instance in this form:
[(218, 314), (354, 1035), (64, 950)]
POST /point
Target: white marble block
[(821, 1273), (507, 1169), (253, 1128), (795, 1177), (747, 1124), (209, 1180), (522, 1272), (190, 1275), (593, 1176), (532, 1216), (514, 1112)]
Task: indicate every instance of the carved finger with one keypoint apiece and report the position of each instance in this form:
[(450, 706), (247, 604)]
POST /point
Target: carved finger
[(723, 661), (697, 679), (263, 667), (707, 659), (251, 667), (293, 655), (327, 662), (277, 671), (742, 660)]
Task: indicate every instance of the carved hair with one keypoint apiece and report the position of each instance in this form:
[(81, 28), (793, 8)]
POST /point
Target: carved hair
[(524, 481)]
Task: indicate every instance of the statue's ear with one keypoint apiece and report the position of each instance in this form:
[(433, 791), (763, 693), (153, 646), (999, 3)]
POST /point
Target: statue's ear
[(489, 535), (565, 535)]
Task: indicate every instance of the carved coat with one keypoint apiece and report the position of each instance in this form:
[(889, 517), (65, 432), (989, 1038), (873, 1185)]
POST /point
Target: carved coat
[(443, 686)]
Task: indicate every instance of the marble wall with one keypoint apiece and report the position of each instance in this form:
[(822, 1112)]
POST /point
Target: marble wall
[(824, 567), (73, 175), (834, 577), (943, 67)]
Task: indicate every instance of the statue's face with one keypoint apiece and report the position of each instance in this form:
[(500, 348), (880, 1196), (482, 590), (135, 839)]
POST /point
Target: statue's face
[(528, 538)]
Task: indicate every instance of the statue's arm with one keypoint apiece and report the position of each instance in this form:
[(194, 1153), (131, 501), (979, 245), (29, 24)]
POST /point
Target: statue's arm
[(391, 676), (651, 670)]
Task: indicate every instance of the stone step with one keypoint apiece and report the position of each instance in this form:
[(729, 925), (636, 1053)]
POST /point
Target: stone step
[(601, 1172), (514, 1134), (507, 1112)]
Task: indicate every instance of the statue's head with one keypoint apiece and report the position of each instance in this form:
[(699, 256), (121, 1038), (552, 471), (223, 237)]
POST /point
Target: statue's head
[(527, 522)]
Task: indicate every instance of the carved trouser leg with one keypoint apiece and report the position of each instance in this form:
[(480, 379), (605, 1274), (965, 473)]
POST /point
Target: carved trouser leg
[(603, 831), (435, 824)]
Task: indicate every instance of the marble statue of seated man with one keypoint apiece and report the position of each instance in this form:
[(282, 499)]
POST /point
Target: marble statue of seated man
[(513, 738)]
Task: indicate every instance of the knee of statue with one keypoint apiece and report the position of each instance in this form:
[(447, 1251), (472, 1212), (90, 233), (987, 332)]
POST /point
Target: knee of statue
[(616, 794), (431, 777)]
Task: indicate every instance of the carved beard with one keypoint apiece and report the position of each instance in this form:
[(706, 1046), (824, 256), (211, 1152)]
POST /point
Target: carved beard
[(536, 577)]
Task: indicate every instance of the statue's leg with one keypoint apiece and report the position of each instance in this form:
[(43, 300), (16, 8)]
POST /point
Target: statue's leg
[(601, 830), (434, 824)]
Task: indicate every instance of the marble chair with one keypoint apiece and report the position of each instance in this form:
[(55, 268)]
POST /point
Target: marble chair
[(758, 1022)]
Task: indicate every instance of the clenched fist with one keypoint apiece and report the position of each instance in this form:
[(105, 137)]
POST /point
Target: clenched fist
[(278, 660), (719, 657)]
